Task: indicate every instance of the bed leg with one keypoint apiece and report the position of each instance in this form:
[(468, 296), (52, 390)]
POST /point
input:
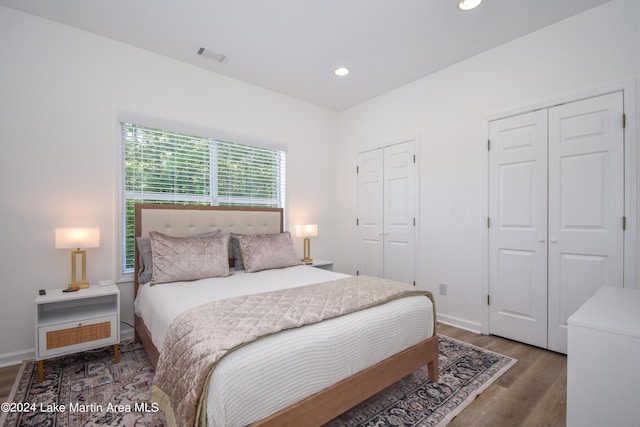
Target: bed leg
[(40, 371), (433, 370)]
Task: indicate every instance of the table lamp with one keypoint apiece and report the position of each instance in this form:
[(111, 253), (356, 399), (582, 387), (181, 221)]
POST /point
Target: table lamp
[(306, 231), (78, 239)]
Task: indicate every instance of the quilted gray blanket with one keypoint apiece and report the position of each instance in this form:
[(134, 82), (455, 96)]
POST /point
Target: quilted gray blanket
[(200, 337)]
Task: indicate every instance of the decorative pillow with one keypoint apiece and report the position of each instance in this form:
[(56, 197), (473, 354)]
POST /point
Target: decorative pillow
[(266, 251), (177, 259), (235, 252), (145, 263)]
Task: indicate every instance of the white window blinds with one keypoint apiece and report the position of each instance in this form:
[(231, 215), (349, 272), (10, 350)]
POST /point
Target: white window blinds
[(161, 166), (248, 176)]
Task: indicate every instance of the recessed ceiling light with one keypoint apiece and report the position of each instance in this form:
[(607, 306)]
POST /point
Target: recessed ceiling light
[(341, 72), (468, 4)]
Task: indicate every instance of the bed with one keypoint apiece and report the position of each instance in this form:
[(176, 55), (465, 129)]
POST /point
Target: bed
[(312, 373)]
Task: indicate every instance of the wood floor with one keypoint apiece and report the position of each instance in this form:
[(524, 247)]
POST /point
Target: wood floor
[(7, 378), (532, 393)]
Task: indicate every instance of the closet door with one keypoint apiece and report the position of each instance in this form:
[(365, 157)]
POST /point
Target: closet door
[(586, 206), (518, 228), (399, 212), (386, 212), (370, 213), (539, 272)]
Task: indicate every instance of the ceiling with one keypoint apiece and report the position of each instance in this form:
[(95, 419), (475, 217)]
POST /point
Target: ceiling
[(293, 46)]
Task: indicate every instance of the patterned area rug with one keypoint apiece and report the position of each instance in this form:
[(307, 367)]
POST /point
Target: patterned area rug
[(86, 389), (89, 390), (465, 372)]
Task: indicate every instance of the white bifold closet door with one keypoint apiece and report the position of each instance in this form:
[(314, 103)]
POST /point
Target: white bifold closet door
[(556, 207), (586, 206), (386, 217), (518, 228)]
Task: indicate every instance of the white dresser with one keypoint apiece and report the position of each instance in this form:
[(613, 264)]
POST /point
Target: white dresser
[(603, 360)]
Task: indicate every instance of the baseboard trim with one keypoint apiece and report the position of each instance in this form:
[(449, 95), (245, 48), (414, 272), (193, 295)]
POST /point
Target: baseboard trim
[(16, 357), (460, 323), (126, 333)]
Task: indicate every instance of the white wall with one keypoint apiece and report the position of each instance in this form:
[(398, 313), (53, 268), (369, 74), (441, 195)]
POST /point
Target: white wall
[(61, 93), (449, 111)]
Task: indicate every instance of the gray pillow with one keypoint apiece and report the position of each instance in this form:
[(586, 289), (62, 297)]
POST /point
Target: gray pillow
[(267, 251), (235, 252), (145, 260)]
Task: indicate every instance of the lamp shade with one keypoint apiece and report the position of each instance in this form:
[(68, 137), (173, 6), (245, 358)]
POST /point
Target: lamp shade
[(76, 238), (308, 230)]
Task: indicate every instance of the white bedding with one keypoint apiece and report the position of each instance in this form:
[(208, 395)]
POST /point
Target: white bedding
[(274, 372)]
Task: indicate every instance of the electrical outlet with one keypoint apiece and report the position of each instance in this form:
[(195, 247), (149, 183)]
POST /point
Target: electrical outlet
[(443, 289)]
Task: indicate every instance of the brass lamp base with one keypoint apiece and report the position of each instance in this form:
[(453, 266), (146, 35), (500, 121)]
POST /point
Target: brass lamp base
[(82, 283), (307, 251)]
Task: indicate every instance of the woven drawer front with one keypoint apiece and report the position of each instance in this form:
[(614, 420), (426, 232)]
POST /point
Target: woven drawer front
[(78, 335)]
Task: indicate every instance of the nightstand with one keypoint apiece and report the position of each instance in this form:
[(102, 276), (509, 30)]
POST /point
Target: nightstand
[(71, 322), (321, 263)]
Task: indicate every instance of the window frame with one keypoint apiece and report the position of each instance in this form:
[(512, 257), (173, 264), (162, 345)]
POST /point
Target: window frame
[(125, 274)]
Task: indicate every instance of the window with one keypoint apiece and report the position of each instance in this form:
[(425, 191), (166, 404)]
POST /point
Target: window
[(160, 166)]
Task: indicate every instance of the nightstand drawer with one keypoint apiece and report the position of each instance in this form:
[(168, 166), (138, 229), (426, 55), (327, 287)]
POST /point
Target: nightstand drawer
[(77, 335)]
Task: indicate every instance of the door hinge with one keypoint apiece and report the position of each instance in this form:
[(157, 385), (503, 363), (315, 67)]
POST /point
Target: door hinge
[(414, 158), (414, 222), (414, 283), (357, 221), (357, 169), (488, 222), (488, 145), (624, 222), (357, 272), (624, 121), (488, 299)]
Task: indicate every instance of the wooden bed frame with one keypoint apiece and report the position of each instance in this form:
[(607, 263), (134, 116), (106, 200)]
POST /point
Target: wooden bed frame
[(326, 404)]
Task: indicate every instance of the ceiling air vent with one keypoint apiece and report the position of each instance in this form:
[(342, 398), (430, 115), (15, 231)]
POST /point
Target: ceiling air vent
[(212, 55)]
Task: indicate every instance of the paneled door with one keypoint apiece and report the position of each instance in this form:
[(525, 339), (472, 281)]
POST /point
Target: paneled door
[(556, 207), (386, 217), (371, 213), (586, 206), (399, 229), (518, 229)]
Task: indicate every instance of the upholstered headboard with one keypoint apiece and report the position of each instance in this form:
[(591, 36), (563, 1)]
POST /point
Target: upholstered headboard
[(185, 220)]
